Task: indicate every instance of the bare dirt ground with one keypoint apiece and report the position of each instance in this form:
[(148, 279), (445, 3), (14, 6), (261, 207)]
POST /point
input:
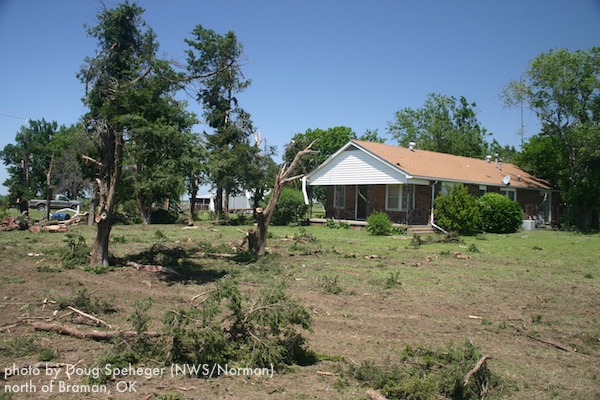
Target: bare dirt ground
[(538, 319)]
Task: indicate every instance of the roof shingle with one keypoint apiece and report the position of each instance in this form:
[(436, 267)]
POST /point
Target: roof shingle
[(447, 167)]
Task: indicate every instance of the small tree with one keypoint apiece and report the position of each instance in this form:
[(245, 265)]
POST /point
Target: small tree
[(458, 211)]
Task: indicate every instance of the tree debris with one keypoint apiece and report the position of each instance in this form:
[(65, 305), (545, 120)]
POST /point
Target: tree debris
[(93, 334), (152, 268), (476, 368), (548, 342)]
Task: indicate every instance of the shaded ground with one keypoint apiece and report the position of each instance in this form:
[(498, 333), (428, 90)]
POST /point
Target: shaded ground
[(369, 298)]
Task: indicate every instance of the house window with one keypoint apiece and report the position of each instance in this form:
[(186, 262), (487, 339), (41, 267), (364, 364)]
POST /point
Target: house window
[(482, 190), (510, 193), (399, 197), (339, 197), (392, 198)]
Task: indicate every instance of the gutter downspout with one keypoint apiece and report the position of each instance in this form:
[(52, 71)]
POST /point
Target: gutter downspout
[(439, 228), (304, 192)]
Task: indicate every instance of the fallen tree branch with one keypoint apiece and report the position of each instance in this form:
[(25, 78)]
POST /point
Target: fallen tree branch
[(476, 368), (98, 321), (152, 268), (93, 334), (548, 342)]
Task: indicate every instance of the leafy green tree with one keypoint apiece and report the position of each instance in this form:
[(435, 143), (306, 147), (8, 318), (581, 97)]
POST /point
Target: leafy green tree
[(563, 89), (193, 162), (444, 124), (371, 136), (28, 159), (157, 141), (123, 64), (214, 60), (71, 176), (45, 158)]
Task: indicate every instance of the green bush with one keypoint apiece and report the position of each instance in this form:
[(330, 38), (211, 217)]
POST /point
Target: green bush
[(499, 213), (458, 211), (379, 223), (290, 207)]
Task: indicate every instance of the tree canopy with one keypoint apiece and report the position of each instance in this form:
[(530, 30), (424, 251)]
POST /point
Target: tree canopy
[(444, 124), (215, 60), (563, 89)]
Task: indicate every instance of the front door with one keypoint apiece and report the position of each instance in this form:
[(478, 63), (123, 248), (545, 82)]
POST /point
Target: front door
[(361, 202)]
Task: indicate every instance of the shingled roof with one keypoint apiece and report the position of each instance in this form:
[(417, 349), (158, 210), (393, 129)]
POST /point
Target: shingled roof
[(423, 164)]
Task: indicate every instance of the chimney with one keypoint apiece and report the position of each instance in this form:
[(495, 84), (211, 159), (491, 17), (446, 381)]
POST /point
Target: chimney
[(411, 146), (496, 155)]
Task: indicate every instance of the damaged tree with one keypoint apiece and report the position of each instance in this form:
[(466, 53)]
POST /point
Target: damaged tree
[(257, 240), (113, 78)]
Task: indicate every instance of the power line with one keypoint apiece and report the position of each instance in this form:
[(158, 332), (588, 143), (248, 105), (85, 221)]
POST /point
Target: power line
[(12, 116)]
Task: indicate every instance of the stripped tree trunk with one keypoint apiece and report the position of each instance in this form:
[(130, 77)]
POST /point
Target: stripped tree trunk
[(107, 178), (257, 240)]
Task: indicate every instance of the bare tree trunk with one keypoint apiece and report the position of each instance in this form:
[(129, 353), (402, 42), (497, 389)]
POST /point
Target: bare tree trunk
[(226, 206), (108, 176), (218, 203), (144, 211), (193, 192), (94, 203), (257, 241), (49, 189)]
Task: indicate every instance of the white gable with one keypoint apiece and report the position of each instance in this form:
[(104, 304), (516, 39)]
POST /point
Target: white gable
[(353, 166)]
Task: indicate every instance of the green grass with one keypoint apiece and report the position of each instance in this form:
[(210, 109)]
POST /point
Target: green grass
[(370, 295)]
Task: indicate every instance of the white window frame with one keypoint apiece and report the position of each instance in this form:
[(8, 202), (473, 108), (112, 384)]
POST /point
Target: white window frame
[(401, 202), (506, 191), (339, 196), (482, 190)]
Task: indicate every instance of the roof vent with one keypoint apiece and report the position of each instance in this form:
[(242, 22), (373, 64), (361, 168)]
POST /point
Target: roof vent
[(488, 159), (411, 146)]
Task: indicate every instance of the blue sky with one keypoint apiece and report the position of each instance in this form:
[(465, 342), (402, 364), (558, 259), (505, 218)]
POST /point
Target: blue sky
[(314, 63)]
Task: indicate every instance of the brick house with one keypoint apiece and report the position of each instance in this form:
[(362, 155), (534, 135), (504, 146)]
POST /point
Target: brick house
[(363, 177)]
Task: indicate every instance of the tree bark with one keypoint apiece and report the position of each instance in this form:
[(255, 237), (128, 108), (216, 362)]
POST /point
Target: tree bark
[(144, 211), (108, 176), (49, 188), (263, 217)]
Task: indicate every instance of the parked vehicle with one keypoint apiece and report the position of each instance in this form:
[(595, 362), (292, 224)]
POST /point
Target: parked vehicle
[(59, 201)]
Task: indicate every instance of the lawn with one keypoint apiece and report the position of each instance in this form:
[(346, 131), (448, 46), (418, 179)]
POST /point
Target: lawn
[(529, 300)]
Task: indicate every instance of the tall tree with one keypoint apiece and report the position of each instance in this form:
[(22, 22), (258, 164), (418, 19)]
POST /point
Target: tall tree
[(444, 124), (193, 162), (214, 60), (157, 139), (563, 89), (125, 58)]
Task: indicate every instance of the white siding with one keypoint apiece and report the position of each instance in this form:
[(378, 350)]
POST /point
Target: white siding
[(355, 167)]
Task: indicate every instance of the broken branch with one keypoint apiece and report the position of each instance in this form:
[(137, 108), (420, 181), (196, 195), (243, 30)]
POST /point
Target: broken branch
[(93, 334), (98, 321), (152, 268), (548, 342), (476, 368)]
